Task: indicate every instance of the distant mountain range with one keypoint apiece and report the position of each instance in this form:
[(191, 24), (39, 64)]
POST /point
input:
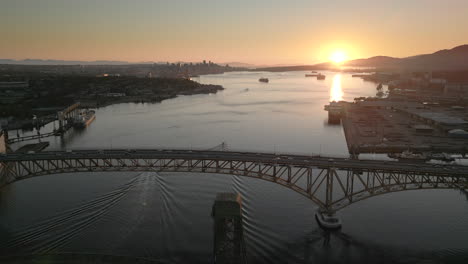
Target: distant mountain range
[(64, 62), (452, 59), (106, 62)]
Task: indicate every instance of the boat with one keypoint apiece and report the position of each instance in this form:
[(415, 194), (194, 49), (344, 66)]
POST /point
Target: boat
[(84, 119), (320, 76), (326, 220), (264, 80), (311, 75)]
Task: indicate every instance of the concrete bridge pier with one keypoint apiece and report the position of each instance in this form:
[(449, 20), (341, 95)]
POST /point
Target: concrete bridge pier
[(8, 171), (7, 174), (229, 244)]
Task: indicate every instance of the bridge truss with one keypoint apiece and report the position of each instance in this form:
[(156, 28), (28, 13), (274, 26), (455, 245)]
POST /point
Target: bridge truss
[(332, 185)]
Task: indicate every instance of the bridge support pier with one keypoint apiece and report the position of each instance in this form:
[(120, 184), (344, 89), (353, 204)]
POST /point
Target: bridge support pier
[(327, 217), (8, 173), (229, 244)]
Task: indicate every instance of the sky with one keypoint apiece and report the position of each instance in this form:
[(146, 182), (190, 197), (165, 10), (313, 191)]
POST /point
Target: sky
[(250, 31)]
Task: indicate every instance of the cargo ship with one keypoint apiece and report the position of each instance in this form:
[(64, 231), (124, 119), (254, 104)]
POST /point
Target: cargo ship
[(84, 119)]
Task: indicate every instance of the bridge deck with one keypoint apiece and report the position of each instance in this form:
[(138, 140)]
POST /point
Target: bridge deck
[(265, 158)]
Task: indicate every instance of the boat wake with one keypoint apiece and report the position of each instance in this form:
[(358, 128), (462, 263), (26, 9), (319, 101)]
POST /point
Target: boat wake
[(46, 235)]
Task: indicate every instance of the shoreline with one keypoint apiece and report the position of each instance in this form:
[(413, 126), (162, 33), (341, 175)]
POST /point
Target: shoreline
[(87, 102), (204, 89)]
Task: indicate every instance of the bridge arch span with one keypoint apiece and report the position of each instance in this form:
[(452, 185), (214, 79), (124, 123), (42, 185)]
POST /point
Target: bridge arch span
[(332, 185)]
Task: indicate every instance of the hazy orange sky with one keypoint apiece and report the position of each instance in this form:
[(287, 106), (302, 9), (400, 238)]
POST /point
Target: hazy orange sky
[(252, 31)]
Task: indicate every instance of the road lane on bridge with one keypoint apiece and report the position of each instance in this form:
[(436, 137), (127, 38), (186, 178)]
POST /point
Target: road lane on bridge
[(266, 158)]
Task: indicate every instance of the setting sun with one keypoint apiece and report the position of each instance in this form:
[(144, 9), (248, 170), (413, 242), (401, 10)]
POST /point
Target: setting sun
[(338, 57)]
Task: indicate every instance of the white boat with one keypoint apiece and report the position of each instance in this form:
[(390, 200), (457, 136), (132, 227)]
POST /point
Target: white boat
[(327, 221)]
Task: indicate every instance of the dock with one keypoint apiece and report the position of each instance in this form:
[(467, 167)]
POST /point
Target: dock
[(336, 110), (394, 127)]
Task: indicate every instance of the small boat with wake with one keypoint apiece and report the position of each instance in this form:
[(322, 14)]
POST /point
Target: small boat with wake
[(327, 220)]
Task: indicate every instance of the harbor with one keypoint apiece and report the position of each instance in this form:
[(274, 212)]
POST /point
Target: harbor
[(74, 116), (275, 117), (382, 126)]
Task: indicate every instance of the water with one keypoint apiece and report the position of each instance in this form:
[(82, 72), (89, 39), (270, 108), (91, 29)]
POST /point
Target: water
[(166, 216)]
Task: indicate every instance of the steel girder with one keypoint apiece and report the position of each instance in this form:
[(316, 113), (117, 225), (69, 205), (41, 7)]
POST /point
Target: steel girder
[(330, 188)]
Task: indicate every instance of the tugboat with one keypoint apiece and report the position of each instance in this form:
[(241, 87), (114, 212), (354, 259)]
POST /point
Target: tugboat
[(264, 80), (320, 76), (326, 220)]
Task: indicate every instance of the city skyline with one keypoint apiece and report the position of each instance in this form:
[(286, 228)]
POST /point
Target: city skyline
[(296, 32)]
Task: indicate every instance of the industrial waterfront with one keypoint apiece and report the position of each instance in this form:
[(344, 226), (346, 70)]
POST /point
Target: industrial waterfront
[(160, 215)]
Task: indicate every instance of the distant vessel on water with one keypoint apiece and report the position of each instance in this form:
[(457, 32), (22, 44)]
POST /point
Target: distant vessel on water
[(84, 119), (311, 75), (264, 80), (320, 76), (327, 221)]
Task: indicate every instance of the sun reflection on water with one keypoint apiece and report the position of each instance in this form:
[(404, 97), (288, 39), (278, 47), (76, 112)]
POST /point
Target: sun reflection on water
[(336, 93)]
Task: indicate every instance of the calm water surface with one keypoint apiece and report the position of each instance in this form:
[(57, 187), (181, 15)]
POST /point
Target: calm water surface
[(166, 216)]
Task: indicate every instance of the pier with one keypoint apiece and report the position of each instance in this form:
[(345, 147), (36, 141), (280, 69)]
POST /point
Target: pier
[(382, 126), (65, 117), (229, 245), (336, 110)]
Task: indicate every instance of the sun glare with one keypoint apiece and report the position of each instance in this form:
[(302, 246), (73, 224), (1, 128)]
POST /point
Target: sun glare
[(338, 57), (336, 92)]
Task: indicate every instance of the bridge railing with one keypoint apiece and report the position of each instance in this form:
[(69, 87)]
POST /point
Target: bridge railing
[(233, 150)]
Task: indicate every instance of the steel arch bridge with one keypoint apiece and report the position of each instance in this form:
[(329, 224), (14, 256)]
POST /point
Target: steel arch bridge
[(329, 182)]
